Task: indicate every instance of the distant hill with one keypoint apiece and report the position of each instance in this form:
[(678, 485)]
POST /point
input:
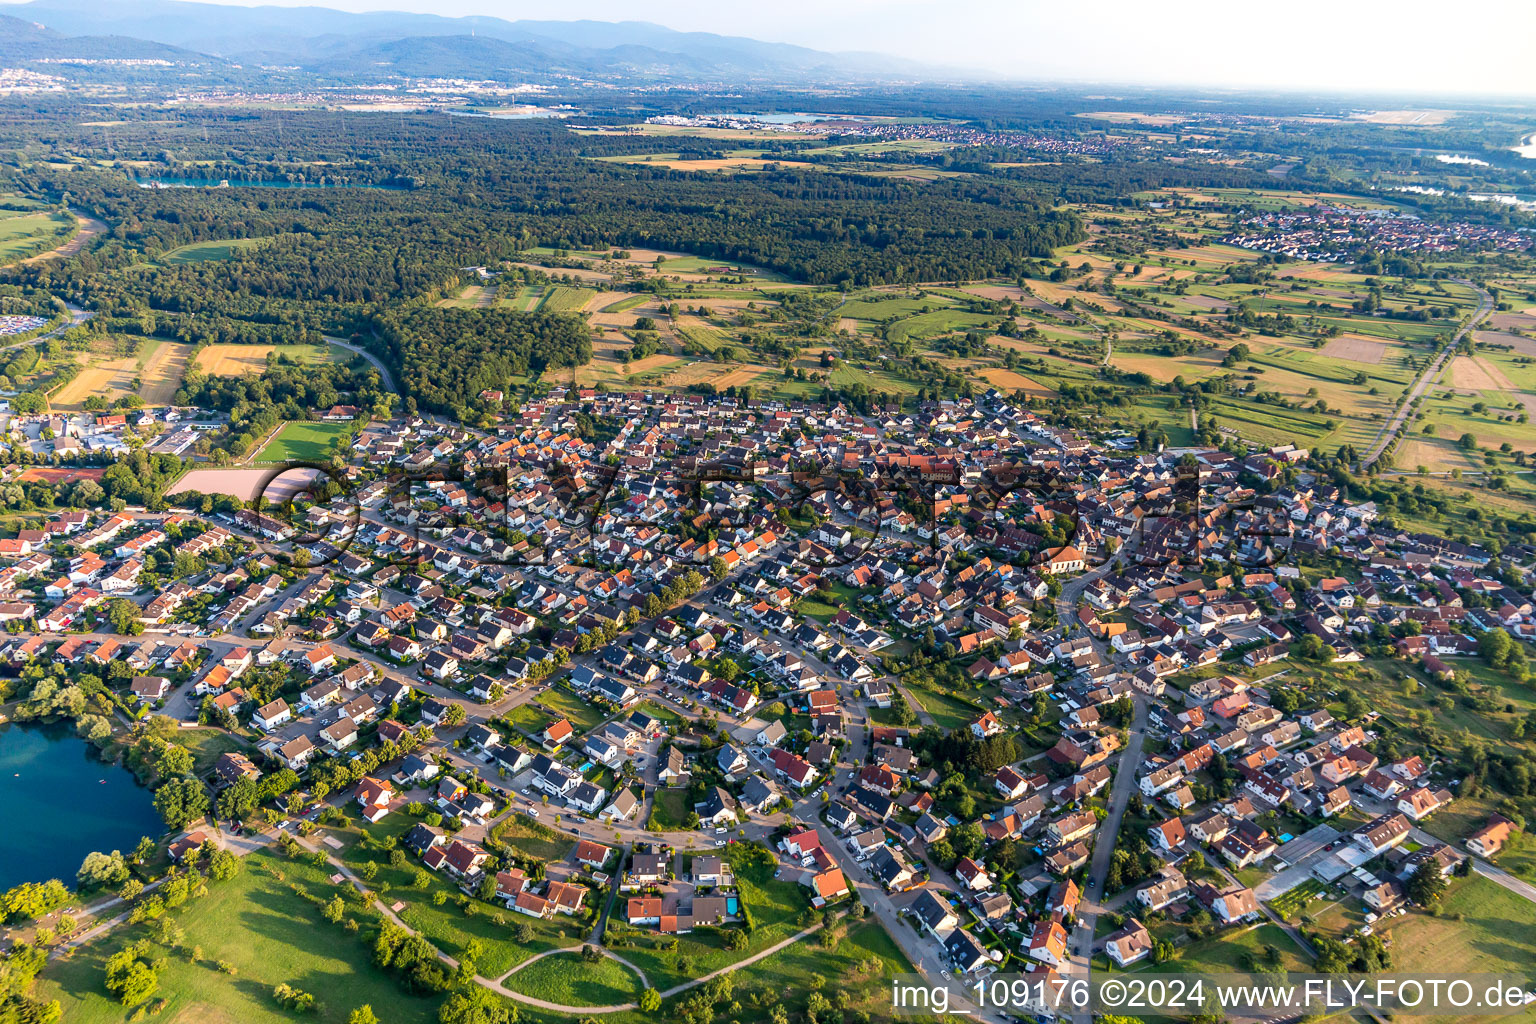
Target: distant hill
[(22, 39), (344, 45)]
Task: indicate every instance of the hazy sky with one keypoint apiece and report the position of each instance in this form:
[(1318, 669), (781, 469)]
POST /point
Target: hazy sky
[(1478, 46)]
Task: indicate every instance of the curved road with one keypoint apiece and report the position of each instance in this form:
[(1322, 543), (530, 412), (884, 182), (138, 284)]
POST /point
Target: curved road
[(374, 361), (1427, 378)]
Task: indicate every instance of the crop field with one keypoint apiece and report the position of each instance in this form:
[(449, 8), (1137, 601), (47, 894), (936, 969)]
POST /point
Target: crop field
[(748, 160), (1292, 903), (939, 322), (153, 373), (521, 297), (21, 232), (720, 376), (1478, 374), (1490, 414), (302, 442), (563, 299), (876, 308), (238, 360), (626, 303), (473, 296), (1355, 349), (1269, 424), (1192, 367), (1010, 381), (876, 380), (1436, 455), (1206, 256), (204, 252), (1514, 342), (699, 335)]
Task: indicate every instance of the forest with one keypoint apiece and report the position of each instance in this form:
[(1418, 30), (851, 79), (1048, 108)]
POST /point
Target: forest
[(448, 356), (367, 262)]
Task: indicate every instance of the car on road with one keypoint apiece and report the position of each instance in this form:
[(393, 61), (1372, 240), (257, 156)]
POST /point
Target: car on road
[(719, 842)]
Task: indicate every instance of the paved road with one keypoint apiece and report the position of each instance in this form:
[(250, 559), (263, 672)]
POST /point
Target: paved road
[(388, 378), (1105, 842), (1520, 887), (1427, 378), (77, 316)]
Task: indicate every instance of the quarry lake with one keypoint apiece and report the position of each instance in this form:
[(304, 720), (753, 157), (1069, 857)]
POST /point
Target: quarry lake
[(60, 801)]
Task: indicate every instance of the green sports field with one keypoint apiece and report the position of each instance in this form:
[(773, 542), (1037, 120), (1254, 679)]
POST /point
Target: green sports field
[(298, 442)]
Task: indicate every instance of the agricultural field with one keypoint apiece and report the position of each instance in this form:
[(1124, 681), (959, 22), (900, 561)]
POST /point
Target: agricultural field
[(203, 252), (147, 367), (473, 296), (628, 302), (734, 161), (239, 360), (1480, 401), (22, 232), (562, 299)]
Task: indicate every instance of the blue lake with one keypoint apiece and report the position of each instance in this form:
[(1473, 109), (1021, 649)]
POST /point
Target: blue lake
[(59, 801)]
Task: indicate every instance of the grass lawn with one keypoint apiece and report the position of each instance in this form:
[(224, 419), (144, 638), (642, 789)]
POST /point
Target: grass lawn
[(449, 925), (660, 712), (567, 979), (669, 810), (1222, 954), (816, 609), (949, 711), (302, 442), (271, 935), (876, 380), (528, 718), (775, 906), (861, 962), (528, 836), (208, 744), (583, 716), (1496, 933)]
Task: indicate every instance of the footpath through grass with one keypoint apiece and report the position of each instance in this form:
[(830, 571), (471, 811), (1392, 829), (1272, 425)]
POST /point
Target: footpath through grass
[(269, 933)]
